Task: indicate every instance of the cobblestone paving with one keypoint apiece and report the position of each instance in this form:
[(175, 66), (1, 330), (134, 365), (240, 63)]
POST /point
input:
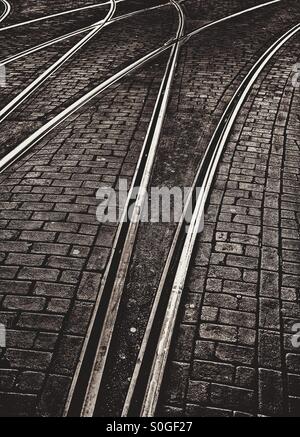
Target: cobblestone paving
[(53, 251), (114, 48), (202, 12), (13, 41), (209, 72), (234, 353), (21, 73), (23, 10)]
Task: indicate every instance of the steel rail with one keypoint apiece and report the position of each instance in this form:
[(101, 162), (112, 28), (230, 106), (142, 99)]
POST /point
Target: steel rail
[(144, 168), (27, 144), (7, 10), (116, 272), (58, 14), (235, 15), (30, 89), (141, 174), (46, 44), (27, 52), (133, 393), (204, 180)]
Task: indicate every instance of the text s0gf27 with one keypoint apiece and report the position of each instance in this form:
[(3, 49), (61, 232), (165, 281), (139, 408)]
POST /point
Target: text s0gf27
[(170, 426)]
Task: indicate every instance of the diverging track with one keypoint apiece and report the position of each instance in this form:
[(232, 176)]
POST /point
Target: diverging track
[(165, 315), (80, 31), (122, 253), (33, 139), (15, 103), (48, 17), (39, 47), (143, 393)]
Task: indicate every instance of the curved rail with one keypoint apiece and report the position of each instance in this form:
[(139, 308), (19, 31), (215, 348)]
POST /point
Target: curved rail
[(27, 52), (30, 89), (235, 15), (7, 9), (86, 29), (59, 14), (204, 180), (27, 144), (117, 270), (141, 180), (20, 150)]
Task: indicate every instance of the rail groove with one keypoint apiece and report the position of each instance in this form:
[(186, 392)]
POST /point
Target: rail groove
[(204, 180), (142, 179), (83, 400)]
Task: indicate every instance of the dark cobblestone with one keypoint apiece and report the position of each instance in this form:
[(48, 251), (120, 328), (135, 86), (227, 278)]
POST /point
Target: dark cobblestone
[(259, 324), (69, 245), (23, 10), (98, 61), (201, 12), (37, 33)]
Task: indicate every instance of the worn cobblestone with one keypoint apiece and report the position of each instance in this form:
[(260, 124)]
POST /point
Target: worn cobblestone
[(261, 307), (54, 250), (115, 47)]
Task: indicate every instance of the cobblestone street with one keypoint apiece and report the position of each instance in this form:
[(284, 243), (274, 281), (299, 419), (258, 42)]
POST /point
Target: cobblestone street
[(150, 317)]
